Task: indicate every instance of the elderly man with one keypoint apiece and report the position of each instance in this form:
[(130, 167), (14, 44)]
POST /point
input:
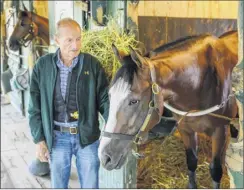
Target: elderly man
[(67, 90)]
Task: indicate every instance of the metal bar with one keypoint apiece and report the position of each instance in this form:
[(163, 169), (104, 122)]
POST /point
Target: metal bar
[(125, 15)]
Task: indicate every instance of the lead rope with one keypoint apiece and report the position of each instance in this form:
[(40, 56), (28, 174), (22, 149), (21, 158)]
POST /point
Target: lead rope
[(140, 156)]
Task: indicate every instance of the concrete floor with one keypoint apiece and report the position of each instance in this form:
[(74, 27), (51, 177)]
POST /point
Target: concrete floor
[(18, 151)]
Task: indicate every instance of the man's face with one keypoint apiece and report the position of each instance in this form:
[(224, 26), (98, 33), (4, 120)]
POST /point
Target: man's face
[(69, 41)]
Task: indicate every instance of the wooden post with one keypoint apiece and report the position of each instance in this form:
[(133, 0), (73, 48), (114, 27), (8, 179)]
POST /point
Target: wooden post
[(234, 153)]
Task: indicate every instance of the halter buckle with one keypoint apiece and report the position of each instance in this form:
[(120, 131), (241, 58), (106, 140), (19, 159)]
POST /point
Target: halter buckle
[(137, 139), (151, 104), (73, 130), (155, 88)]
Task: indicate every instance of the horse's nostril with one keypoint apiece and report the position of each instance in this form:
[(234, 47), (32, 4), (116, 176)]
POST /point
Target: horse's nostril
[(106, 159), (13, 45)]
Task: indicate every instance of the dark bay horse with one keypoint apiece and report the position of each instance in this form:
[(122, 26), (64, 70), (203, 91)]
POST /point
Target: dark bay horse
[(190, 74), (29, 26)]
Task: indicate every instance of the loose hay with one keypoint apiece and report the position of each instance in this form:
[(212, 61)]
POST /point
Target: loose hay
[(99, 44), (166, 167)]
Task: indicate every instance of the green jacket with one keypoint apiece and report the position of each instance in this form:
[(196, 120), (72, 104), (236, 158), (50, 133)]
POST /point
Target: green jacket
[(92, 97)]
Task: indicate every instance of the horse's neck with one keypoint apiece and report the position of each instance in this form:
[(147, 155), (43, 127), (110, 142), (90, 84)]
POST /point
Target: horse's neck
[(43, 27), (181, 67), (175, 77)]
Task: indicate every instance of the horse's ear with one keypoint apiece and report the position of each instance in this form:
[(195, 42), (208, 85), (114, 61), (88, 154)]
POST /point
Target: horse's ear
[(136, 57), (22, 14), (117, 53), (23, 11), (141, 48), (25, 8), (22, 7)]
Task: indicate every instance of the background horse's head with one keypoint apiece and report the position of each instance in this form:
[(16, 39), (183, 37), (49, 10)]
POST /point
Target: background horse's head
[(130, 94), (24, 31)]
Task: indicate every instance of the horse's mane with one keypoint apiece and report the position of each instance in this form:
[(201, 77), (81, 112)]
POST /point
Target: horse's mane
[(173, 44), (126, 71), (228, 33)]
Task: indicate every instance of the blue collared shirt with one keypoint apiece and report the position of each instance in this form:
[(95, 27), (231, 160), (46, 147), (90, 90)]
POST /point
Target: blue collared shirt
[(64, 72)]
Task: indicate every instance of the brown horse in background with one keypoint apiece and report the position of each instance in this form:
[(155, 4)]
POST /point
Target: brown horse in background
[(189, 74), (28, 27)]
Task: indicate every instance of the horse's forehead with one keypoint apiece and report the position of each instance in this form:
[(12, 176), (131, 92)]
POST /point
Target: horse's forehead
[(120, 88)]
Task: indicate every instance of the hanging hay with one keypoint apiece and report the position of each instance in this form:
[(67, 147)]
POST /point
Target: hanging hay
[(166, 167), (99, 44)]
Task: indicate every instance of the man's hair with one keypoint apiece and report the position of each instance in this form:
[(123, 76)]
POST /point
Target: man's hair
[(66, 22)]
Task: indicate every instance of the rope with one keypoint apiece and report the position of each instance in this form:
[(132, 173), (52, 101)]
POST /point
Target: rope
[(221, 116), (212, 114)]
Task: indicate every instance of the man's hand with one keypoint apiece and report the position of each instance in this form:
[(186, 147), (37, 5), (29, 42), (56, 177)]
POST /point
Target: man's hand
[(42, 151)]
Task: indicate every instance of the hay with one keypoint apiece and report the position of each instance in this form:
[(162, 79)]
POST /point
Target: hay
[(166, 168), (99, 44)]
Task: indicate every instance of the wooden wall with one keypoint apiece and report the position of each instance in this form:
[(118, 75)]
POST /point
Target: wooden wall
[(41, 8), (160, 22)]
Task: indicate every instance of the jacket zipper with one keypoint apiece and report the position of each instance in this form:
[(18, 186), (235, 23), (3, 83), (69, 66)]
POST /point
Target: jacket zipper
[(77, 102), (77, 81), (66, 114), (55, 73), (67, 101)]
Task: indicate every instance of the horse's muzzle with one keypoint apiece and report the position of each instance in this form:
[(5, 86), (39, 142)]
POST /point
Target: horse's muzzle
[(13, 45), (109, 162)]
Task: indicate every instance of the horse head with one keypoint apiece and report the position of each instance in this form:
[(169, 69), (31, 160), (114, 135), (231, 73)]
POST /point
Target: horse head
[(134, 108), (23, 31), (26, 29)]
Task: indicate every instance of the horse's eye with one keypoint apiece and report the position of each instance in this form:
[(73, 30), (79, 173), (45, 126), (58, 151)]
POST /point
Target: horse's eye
[(132, 102)]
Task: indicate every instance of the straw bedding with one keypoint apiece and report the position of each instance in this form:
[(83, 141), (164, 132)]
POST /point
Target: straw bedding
[(166, 167)]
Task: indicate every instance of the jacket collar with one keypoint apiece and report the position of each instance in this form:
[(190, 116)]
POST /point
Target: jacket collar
[(80, 58)]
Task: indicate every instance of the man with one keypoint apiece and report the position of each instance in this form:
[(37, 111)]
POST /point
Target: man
[(67, 90)]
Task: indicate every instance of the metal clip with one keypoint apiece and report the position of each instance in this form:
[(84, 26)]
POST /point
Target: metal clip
[(151, 104), (222, 104), (137, 139), (137, 155)]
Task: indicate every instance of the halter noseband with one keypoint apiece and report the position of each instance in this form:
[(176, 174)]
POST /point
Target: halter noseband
[(153, 106)]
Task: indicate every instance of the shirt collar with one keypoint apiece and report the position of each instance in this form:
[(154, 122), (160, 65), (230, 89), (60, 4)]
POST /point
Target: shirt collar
[(61, 64)]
